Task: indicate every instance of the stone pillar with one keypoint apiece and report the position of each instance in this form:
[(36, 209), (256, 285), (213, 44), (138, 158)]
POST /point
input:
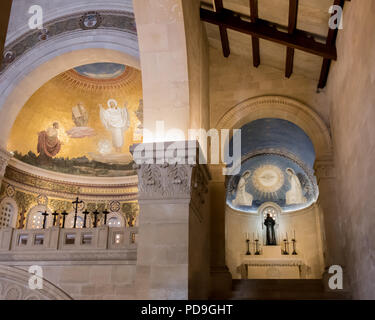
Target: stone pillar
[(5, 156), (328, 202), (163, 53), (221, 279), (173, 239)]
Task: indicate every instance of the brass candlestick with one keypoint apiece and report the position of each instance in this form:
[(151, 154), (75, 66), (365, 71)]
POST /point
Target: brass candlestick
[(257, 252), (248, 253), (294, 247), (286, 246)]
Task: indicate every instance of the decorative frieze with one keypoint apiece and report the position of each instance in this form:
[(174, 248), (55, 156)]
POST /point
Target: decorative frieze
[(324, 169), (172, 180), (113, 20)]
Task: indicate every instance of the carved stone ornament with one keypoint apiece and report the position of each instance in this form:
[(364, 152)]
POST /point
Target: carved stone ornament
[(324, 169), (90, 20)]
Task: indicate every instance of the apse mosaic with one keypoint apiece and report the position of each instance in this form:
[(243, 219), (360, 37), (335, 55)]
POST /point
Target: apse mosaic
[(278, 134), (82, 122), (277, 166), (271, 178)]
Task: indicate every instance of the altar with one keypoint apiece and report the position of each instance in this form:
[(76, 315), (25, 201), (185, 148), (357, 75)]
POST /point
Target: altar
[(272, 264)]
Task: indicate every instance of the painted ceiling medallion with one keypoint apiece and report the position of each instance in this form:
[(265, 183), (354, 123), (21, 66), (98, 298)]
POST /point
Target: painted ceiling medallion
[(90, 20), (268, 178)]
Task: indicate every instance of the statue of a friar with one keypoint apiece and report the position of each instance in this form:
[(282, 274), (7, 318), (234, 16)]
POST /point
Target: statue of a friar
[(269, 222)]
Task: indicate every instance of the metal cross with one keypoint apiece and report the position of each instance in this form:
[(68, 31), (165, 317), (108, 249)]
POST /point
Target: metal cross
[(76, 203), (64, 214), (45, 214)]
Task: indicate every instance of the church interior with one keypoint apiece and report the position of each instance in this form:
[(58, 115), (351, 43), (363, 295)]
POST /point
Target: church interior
[(187, 149)]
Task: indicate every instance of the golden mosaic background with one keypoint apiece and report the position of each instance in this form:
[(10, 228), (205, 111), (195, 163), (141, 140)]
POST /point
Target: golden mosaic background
[(53, 102)]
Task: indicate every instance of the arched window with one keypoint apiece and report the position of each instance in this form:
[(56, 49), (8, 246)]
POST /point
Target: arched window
[(115, 220), (35, 218), (8, 213), (271, 211), (79, 223)]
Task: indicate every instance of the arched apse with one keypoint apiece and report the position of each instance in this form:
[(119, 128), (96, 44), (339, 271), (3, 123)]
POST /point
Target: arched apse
[(48, 59), (276, 166), (281, 108)]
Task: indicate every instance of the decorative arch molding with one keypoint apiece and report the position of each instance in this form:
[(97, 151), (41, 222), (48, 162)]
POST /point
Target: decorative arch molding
[(14, 286), (50, 58), (282, 108), (13, 203), (63, 9)]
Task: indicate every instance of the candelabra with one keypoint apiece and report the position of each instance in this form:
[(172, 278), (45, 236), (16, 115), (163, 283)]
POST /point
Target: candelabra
[(286, 247), (248, 253), (257, 252), (294, 247)]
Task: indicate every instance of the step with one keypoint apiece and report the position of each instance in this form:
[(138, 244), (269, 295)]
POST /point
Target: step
[(285, 289)]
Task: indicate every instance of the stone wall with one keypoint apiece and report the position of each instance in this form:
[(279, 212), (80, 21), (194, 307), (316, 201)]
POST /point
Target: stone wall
[(351, 93), (234, 79), (103, 282)]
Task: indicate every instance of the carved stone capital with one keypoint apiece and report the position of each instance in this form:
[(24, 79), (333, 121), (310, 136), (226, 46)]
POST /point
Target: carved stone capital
[(324, 169), (5, 156), (161, 179)]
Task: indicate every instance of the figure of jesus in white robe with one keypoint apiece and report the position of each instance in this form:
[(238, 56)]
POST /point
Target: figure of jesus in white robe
[(116, 120)]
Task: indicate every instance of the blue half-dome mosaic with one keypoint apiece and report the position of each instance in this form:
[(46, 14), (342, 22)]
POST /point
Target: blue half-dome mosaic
[(276, 166), (277, 134), (271, 178)]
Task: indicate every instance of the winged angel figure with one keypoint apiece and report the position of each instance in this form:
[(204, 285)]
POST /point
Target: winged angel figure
[(117, 121)]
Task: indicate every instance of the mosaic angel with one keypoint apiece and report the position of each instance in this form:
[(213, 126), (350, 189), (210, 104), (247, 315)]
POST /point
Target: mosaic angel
[(243, 198), (295, 193), (116, 120)]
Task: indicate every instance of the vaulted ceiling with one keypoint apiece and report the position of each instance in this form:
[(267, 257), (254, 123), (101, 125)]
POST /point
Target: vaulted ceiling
[(312, 18)]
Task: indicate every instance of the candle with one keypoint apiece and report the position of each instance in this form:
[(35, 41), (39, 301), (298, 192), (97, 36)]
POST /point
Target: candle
[(294, 234), (247, 236), (253, 236), (287, 236)]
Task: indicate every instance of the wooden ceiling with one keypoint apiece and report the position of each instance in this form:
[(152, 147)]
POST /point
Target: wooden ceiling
[(300, 25)]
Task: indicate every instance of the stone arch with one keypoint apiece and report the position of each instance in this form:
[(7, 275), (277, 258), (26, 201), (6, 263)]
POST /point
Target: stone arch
[(14, 286), (282, 108), (13, 203), (37, 209), (45, 61)]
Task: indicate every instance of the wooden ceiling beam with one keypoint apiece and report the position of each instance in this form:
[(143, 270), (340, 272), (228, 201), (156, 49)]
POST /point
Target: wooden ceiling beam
[(5, 7), (330, 43), (299, 40), (292, 26), (255, 41), (218, 6)]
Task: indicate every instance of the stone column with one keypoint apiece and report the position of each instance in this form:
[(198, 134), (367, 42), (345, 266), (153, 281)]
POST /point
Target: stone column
[(328, 202), (221, 279), (5, 156), (326, 178), (173, 239)]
